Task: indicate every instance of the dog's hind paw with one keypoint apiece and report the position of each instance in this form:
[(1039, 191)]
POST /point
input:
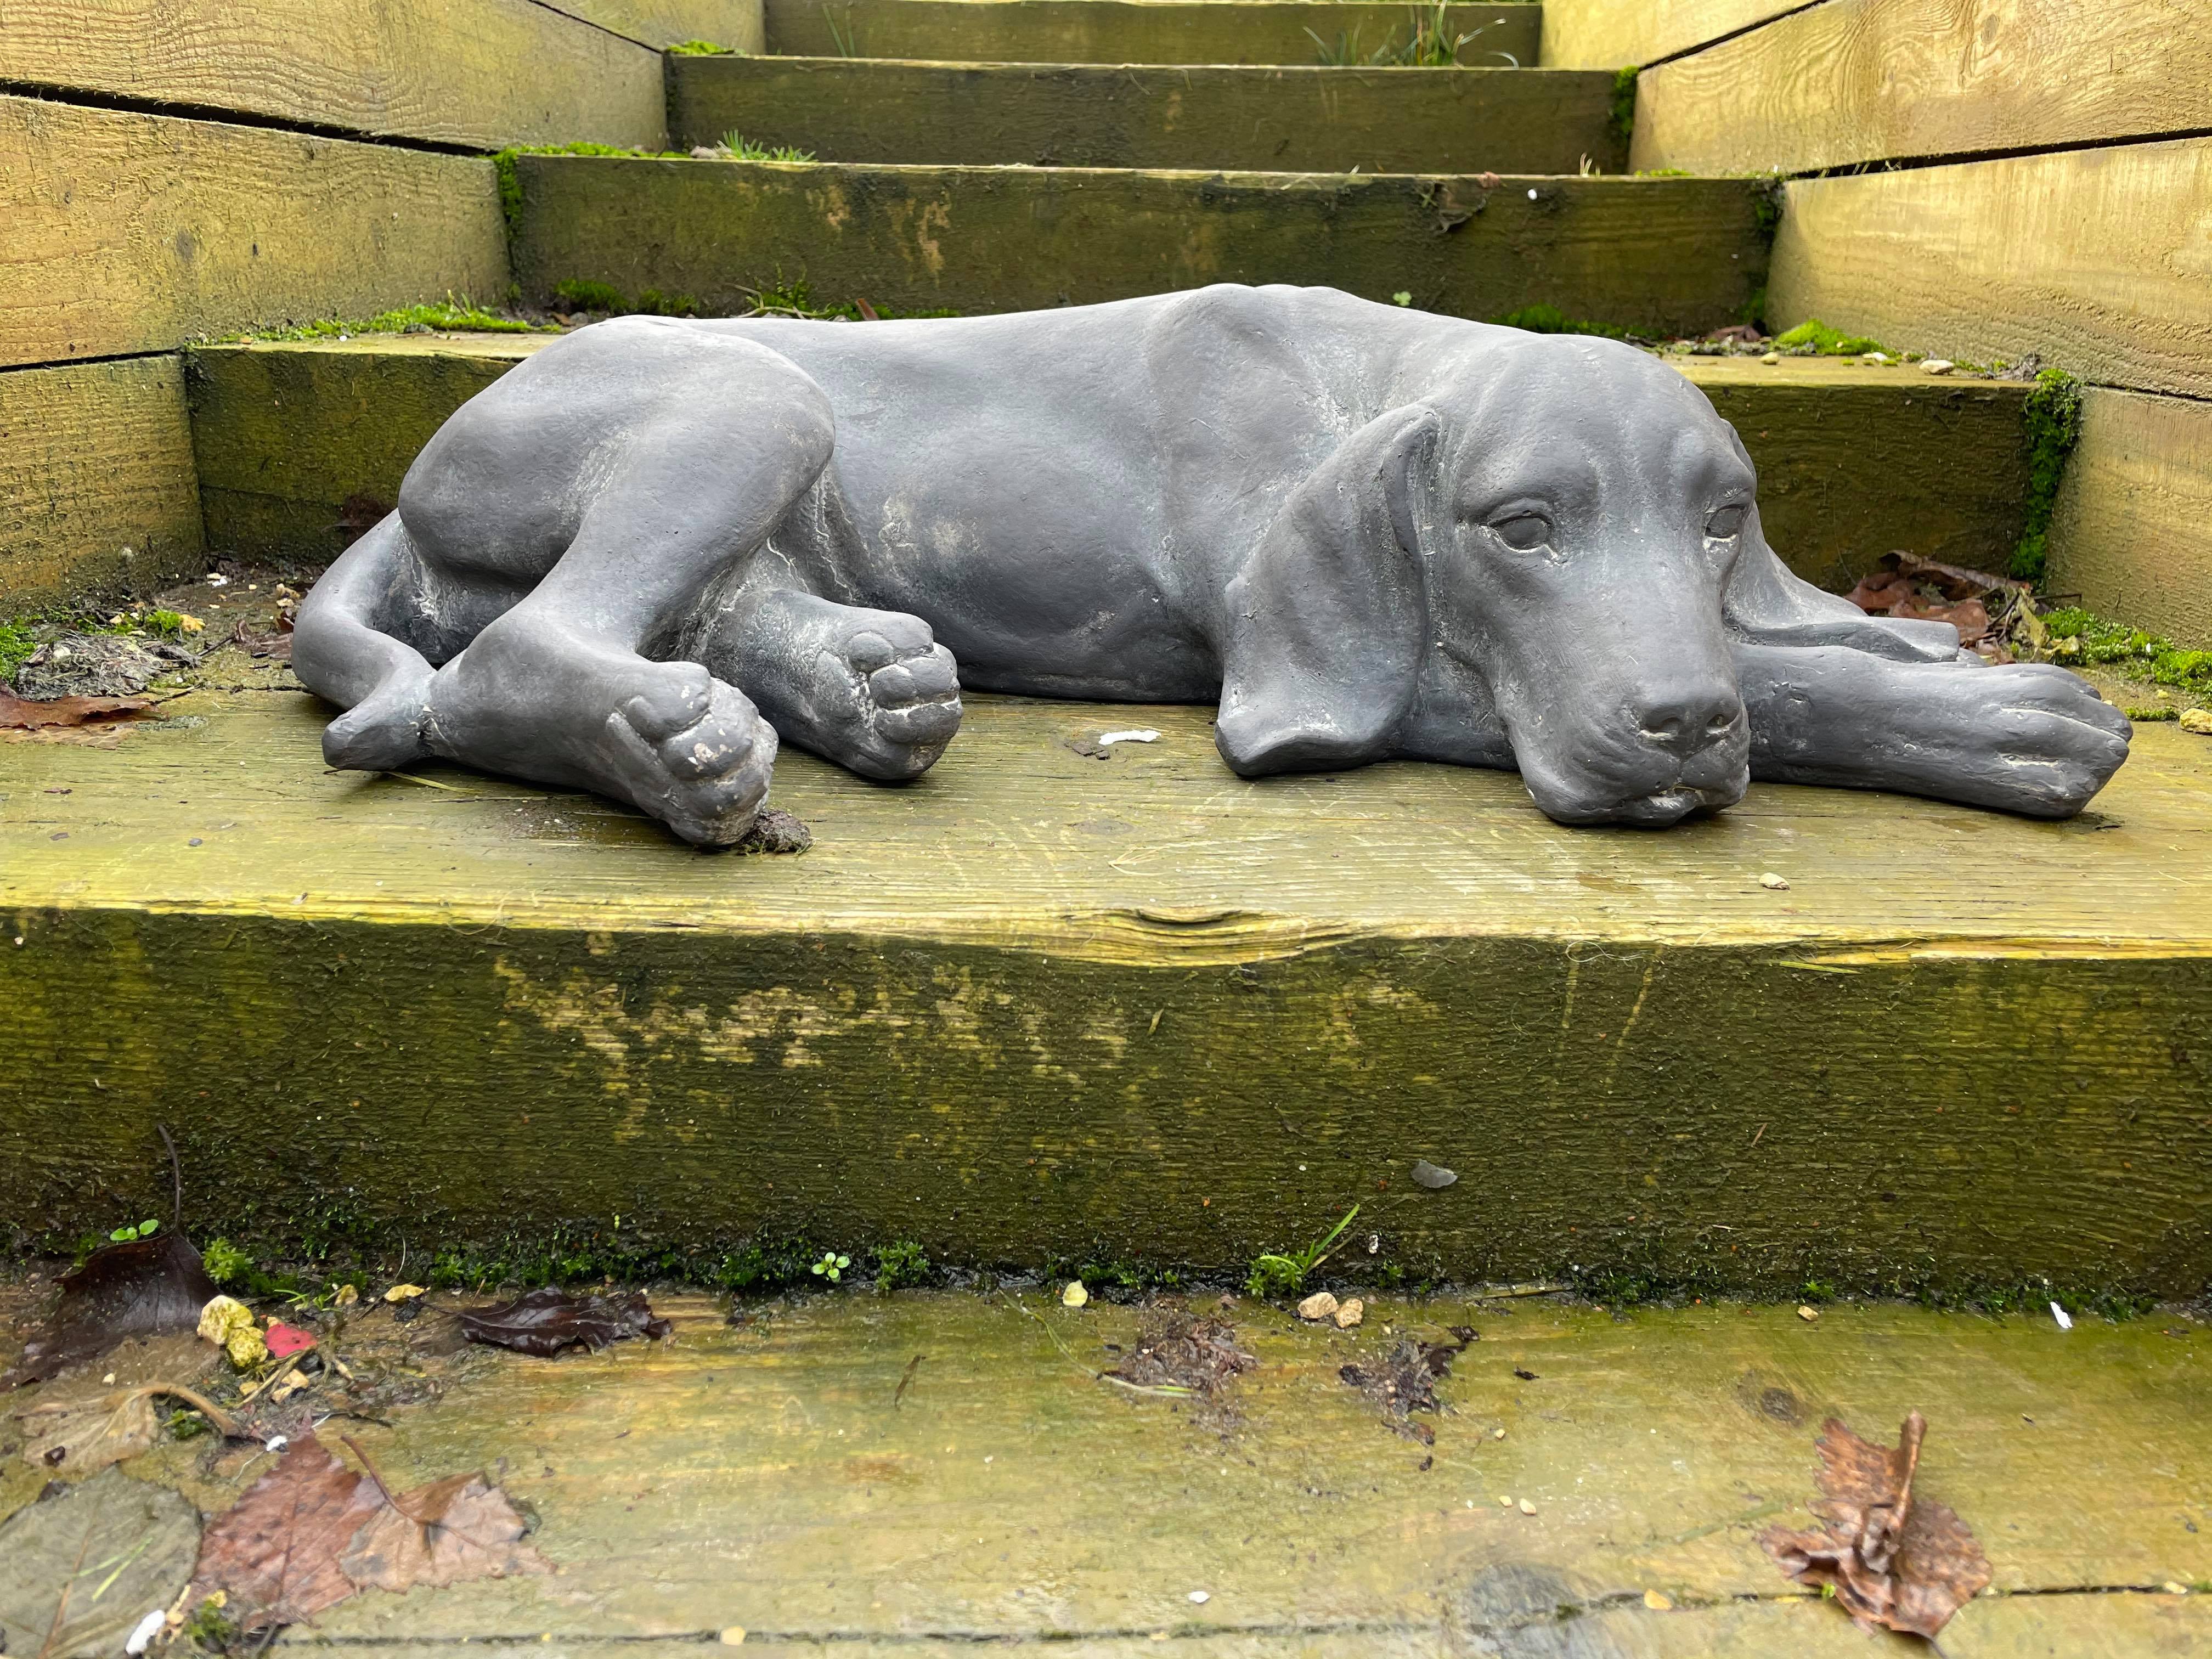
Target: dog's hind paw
[(905, 701)]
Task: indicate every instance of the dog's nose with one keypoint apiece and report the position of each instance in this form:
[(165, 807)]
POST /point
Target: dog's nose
[(1691, 719)]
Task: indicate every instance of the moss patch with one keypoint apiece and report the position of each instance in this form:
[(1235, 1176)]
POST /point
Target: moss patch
[(1816, 339), (2053, 421), (2077, 636)]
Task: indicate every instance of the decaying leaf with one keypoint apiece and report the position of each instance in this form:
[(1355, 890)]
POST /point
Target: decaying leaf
[(24, 715), (79, 1570), (275, 1551), (1407, 1380), (78, 1437), (545, 1321), (461, 1527), (142, 1287), (1893, 1559), (312, 1532), (1177, 1351)]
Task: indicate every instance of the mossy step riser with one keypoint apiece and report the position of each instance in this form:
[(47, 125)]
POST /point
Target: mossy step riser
[(298, 446), (1327, 120), (1662, 255), (1128, 32), (1708, 1116)]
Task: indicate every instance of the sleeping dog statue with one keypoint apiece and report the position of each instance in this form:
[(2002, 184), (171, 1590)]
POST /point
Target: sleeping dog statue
[(659, 546)]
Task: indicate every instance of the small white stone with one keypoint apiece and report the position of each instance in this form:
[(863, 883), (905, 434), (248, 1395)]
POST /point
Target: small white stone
[(1074, 1296), (1200, 1597), (142, 1633), (1351, 1314), (1937, 366), (1770, 879), (1526, 1508), (1771, 358), (1320, 1305)]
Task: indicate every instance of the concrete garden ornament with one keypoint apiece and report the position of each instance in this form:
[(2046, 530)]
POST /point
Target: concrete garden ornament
[(659, 546)]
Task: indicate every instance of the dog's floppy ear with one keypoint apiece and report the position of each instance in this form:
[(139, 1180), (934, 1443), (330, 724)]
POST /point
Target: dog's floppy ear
[(1327, 620), (1767, 603)]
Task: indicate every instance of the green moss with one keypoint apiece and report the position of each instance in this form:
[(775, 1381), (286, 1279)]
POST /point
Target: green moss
[(1767, 206), (1550, 319), (510, 180), (1623, 118), (17, 642), (902, 1265), (454, 315), (2079, 636), (582, 296), (703, 49), (1815, 336), (2054, 427)]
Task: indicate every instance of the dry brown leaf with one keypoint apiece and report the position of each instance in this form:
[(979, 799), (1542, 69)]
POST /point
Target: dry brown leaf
[(25, 714), (141, 1287), (1892, 1560), (275, 1551), (78, 1437), (461, 1527)]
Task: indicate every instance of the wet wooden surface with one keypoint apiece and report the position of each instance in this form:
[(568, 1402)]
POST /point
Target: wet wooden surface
[(774, 1478)]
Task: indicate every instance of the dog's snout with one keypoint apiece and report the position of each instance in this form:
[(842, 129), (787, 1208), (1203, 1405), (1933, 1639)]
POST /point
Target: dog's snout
[(1690, 719)]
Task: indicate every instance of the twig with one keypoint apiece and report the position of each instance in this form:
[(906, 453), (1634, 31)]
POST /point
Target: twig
[(1166, 1391), (912, 1366), (368, 1463), (176, 1177)]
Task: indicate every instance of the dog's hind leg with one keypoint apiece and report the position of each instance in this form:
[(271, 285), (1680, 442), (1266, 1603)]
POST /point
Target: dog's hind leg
[(870, 689), (623, 470)]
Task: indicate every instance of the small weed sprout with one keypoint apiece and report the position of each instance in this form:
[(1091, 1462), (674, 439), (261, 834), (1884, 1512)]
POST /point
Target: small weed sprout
[(901, 1263), (1284, 1275), (703, 49), (1404, 296), (225, 1262), (847, 40), (831, 1266), (1430, 45), (126, 1235), (739, 147)]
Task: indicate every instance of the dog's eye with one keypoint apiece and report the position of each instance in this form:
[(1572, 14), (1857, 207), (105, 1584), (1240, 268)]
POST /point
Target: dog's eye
[(1725, 523), (1523, 532)]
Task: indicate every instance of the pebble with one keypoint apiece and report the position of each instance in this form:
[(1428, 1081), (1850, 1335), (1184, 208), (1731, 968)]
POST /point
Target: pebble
[(1320, 1305), (1074, 1296), (1770, 879), (1876, 358), (1771, 358), (1498, 1434), (1937, 366), (1808, 1314), (2198, 720), (1350, 1313), (1528, 1508), (1657, 1601), (733, 1636), (1199, 1598)]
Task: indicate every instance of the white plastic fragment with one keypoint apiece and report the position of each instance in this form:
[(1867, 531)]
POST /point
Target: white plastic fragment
[(1141, 734), (276, 1443), (2065, 1323), (144, 1632)]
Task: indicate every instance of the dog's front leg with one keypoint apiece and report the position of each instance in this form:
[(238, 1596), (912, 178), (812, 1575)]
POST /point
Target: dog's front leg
[(2027, 738)]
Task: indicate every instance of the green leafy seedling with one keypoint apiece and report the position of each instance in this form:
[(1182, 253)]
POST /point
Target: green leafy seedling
[(831, 1266), (1283, 1275), (143, 1229)]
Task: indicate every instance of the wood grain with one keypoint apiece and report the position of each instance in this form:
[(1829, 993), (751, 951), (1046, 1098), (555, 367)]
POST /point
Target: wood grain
[(734, 24), (1135, 31), (1872, 80), (2133, 532), (1662, 254), (1615, 33), (1289, 120), (478, 73), (1038, 1006), (1853, 460), (1652, 1446), (131, 232), (97, 495), (2099, 261)]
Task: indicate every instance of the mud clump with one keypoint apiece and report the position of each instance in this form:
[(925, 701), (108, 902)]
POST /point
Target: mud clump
[(1177, 1350)]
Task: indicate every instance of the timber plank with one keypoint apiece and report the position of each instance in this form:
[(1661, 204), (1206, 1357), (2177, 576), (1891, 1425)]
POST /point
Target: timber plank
[(2133, 530), (761, 1478), (97, 491), (1037, 1007), (2094, 259), (1137, 31), (477, 73), (1289, 120), (1617, 33), (735, 24), (299, 445), (1875, 80), (131, 232), (1668, 255)]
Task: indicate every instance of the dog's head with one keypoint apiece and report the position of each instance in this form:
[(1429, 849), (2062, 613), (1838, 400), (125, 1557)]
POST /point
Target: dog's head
[(1569, 523)]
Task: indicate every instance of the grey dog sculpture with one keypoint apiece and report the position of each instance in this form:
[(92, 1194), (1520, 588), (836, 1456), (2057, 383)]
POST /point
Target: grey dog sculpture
[(658, 544)]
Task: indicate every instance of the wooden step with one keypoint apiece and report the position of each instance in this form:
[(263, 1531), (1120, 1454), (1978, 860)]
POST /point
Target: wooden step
[(932, 1474), (1042, 1007), (1145, 31), (1663, 255), (1291, 120), (298, 444)]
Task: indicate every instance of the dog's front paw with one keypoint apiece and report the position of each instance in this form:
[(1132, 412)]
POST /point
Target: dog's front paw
[(2029, 738), (904, 696)]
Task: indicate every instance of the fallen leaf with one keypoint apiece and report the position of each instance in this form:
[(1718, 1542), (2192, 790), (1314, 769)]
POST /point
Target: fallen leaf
[(545, 1321), (83, 1436), (275, 1552), (1434, 1177), (404, 1292), (1892, 1559), (22, 714), (141, 1287), (79, 1570), (462, 1526)]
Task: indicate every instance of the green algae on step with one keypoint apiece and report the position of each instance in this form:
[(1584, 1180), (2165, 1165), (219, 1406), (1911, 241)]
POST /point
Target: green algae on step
[(298, 443), (1139, 31), (1037, 1005), (1290, 120), (806, 1478), (1665, 256)]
